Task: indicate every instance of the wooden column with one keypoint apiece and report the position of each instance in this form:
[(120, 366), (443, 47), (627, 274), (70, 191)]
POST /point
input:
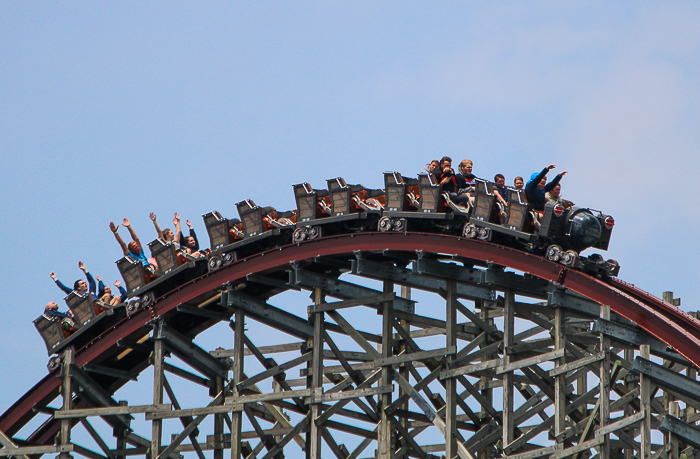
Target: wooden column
[(121, 436), (314, 446), (404, 371), (67, 395), (671, 439), (385, 443), (604, 395), (508, 341), (559, 380), (629, 411), (157, 424), (645, 404), (485, 453), (219, 423), (450, 383), (237, 416)]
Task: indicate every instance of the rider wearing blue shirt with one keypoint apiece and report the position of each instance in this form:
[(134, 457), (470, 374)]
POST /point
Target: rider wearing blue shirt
[(536, 188), (80, 286)]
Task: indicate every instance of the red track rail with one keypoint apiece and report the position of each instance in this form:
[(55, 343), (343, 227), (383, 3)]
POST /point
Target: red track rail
[(671, 325)]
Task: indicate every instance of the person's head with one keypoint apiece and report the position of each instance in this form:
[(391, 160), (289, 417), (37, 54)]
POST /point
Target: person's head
[(134, 247), (446, 161), (168, 235), (466, 166), (434, 165), (519, 183), (556, 191), (542, 183), (499, 180), (51, 306), (80, 286), (190, 241), (107, 295)]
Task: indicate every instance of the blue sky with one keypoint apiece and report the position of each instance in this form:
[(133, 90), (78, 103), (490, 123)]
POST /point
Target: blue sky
[(112, 110)]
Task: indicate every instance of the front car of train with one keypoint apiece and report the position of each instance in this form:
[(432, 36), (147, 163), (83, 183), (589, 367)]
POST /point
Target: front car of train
[(572, 230)]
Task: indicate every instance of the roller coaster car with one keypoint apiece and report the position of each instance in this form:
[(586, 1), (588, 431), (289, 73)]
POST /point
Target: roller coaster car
[(135, 274), (90, 318), (353, 199), (343, 208), (265, 227), (484, 221), (401, 193), (311, 204), (574, 229), (278, 219), (168, 258), (222, 231), (411, 199), (54, 330), (84, 309)]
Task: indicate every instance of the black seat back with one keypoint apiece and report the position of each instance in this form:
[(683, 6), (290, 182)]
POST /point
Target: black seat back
[(165, 254), (516, 209), (132, 272), (82, 306), (483, 200), (251, 217), (217, 228), (429, 193), (50, 329)]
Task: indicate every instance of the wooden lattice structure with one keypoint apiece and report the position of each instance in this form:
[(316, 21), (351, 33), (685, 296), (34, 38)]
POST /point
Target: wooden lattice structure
[(398, 353)]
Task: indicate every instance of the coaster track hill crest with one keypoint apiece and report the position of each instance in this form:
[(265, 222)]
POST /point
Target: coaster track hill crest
[(481, 262)]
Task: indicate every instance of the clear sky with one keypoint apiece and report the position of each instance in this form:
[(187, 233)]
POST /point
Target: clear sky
[(118, 109)]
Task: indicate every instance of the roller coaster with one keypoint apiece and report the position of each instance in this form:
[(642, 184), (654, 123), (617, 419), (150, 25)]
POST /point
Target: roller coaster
[(503, 341)]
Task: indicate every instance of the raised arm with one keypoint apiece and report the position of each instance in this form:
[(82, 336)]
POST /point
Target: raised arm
[(122, 290), (550, 186), (127, 224), (532, 184), (176, 222), (193, 235), (155, 223), (100, 287), (119, 239), (91, 281), (59, 284)]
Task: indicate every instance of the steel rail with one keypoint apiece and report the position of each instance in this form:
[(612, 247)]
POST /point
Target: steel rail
[(671, 325)]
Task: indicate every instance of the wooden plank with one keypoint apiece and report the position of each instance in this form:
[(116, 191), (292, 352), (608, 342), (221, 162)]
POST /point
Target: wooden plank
[(354, 334), (275, 370), (29, 450), (508, 341), (534, 453), (243, 399), (276, 349), (83, 451), (576, 364), (462, 451), (415, 356), (575, 449), (467, 369), (621, 424), (530, 361), (191, 412), (335, 396), (316, 380), (450, 409), (111, 410), (365, 301), (7, 441)]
